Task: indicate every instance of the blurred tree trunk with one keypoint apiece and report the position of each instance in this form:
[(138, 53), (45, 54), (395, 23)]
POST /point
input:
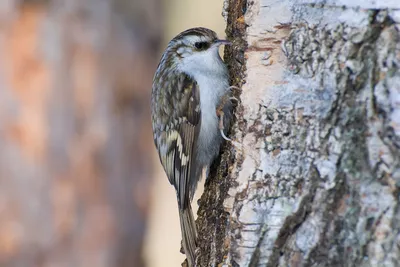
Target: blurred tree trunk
[(315, 180), (75, 165)]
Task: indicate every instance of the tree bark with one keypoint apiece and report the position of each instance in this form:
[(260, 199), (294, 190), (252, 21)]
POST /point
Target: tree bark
[(75, 164), (314, 177)]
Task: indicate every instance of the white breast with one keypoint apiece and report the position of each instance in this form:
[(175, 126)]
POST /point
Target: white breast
[(211, 75), (212, 88)]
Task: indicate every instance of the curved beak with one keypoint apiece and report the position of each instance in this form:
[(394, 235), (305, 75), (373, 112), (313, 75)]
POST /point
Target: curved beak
[(222, 42)]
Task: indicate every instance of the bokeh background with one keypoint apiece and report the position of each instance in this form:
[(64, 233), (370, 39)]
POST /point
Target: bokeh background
[(80, 181)]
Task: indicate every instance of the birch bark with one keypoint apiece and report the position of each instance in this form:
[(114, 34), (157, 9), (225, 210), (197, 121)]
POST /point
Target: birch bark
[(315, 179)]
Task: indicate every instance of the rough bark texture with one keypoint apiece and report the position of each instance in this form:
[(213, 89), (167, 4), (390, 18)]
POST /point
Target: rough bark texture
[(75, 78), (315, 179)]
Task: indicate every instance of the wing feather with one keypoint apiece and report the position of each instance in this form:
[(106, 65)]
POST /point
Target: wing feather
[(176, 141)]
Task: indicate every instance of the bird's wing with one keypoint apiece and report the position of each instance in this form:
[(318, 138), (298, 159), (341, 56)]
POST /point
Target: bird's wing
[(176, 142)]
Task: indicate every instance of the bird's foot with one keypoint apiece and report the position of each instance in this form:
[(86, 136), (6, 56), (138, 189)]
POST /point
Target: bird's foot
[(221, 127)]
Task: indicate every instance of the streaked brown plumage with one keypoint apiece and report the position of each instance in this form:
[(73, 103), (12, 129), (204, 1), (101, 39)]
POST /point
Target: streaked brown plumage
[(188, 85)]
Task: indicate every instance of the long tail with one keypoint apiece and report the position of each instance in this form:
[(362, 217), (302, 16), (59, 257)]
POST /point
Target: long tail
[(189, 234)]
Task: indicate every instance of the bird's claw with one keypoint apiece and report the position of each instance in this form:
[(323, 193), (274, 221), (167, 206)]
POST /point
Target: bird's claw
[(221, 129)]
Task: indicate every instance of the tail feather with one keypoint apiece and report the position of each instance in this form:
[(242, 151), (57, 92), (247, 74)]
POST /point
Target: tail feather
[(189, 234)]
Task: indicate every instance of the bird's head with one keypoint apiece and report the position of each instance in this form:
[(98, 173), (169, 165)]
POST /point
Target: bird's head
[(195, 50)]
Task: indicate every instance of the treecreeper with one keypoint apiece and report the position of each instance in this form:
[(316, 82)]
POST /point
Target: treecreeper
[(191, 108)]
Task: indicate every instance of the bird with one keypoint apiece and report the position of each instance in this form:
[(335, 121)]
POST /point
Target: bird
[(191, 110)]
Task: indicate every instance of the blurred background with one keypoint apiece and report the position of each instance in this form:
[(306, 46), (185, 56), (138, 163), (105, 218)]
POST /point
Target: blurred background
[(80, 181)]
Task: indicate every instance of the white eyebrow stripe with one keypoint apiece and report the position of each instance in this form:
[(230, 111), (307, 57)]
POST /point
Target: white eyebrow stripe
[(194, 38)]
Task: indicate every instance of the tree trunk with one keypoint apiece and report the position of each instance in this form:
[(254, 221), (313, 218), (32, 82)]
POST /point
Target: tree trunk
[(75, 164), (314, 177)]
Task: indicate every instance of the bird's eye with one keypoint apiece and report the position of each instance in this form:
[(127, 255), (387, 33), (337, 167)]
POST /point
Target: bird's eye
[(201, 45)]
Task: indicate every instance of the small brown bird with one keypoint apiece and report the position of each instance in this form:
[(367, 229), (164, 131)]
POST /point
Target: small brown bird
[(189, 93)]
